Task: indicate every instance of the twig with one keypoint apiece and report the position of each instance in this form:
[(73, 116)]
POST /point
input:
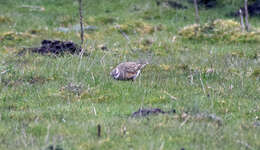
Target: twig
[(83, 50), (172, 97), (102, 62), (126, 37), (102, 59), (162, 146), (99, 130), (93, 78), (203, 87), (81, 23), (24, 137), (94, 109), (81, 33), (186, 119)]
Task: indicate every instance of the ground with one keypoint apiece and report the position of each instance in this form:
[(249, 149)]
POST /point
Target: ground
[(58, 102)]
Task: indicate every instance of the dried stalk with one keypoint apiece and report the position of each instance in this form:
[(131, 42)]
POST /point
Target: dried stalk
[(246, 16), (202, 85), (241, 20), (172, 97), (81, 23), (197, 19), (99, 130), (81, 33), (184, 122)]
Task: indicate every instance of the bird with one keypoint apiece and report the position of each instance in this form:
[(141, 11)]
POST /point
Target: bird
[(127, 70)]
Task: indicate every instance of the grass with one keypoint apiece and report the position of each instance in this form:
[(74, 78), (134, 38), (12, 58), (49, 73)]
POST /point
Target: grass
[(57, 102)]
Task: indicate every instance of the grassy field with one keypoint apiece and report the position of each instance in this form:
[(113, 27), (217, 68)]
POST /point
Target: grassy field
[(49, 102)]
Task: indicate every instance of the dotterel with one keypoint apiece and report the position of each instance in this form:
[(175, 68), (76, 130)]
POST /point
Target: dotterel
[(127, 70)]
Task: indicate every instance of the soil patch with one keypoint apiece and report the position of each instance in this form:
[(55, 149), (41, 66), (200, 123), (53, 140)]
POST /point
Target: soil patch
[(143, 112), (57, 47)]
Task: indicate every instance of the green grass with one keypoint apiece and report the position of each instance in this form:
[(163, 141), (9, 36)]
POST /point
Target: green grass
[(38, 109)]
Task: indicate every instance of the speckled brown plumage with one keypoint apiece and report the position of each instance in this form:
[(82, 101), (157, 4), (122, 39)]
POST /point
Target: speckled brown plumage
[(127, 70)]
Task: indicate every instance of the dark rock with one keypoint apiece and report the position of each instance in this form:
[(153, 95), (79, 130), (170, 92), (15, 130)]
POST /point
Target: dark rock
[(46, 42), (172, 4), (103, 47), (153, 111), (253, 9), (176, 5), (158, 3), (107, 11), (57, 47), (206, 3), (51, 147)]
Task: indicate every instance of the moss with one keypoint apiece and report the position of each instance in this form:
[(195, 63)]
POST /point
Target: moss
[(4, 19), (219, 30), (132, 27)]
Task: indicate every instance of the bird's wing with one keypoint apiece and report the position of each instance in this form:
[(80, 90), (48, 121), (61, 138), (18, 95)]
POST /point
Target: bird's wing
[(132, 67), (130, 75)]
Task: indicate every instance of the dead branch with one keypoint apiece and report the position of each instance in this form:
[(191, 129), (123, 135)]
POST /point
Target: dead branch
[(246, 16), (81, 23), (241, 20), (197, 18)]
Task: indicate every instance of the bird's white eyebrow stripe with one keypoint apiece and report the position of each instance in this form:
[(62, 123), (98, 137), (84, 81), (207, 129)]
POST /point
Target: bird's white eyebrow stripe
[(117, 70), (117, 73)]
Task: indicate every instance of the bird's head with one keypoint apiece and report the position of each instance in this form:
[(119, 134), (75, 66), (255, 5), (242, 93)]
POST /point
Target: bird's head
[(115, 73)]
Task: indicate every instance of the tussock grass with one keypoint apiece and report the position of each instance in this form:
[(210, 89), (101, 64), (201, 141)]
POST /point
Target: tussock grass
[(220, 30)]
